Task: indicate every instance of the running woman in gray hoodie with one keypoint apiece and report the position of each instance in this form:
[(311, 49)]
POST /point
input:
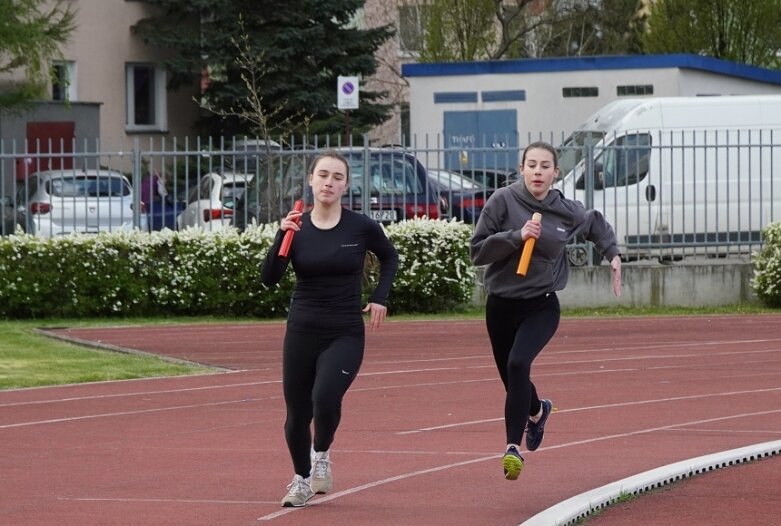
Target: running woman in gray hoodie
[(522, 313)]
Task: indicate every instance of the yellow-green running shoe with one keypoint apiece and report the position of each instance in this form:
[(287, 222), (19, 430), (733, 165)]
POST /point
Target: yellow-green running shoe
[(512, 461)]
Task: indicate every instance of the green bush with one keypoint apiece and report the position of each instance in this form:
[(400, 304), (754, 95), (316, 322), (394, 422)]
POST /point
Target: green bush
[(767, 267), (200, 273)]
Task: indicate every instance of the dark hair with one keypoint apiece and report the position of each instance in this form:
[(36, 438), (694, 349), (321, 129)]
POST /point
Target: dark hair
[(333, 154), (542, 145)]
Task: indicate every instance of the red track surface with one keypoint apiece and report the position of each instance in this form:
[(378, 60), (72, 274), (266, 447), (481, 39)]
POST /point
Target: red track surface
[(421, 434)]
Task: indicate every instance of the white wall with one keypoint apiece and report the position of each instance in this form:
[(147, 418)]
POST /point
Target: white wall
[(101, 46), (545, 111)]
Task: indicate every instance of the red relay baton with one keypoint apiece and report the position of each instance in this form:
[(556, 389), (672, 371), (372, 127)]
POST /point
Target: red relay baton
[(298, 206)]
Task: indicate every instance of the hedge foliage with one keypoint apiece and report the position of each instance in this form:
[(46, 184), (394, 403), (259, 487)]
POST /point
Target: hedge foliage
[(767, 267), (201, 273)]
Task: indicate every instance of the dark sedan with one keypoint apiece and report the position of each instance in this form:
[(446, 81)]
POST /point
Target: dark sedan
[(464, 197)]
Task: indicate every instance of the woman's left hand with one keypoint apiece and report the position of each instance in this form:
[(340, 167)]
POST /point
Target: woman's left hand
[(377, 314), (615, 265)]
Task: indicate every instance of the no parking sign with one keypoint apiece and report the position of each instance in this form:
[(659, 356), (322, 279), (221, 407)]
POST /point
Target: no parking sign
[(347, 93)]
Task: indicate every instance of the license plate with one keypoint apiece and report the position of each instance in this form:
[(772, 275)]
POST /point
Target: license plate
[(383, 215)]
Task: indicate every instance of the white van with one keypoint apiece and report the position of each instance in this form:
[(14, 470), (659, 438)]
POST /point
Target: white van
[(679, 176)]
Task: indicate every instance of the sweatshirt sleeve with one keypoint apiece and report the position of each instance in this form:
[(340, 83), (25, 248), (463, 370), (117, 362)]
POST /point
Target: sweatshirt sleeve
[(274, 267), (601, 233), (490, 242)]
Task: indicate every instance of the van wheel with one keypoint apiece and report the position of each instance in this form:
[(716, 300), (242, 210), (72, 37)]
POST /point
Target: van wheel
[(577, 256)]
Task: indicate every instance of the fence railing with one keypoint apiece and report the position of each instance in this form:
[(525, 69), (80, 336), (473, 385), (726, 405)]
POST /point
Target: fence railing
[(668, 196)]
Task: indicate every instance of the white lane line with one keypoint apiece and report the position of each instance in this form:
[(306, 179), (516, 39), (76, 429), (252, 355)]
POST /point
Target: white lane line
[(174, 501), (357, 489), (138, 412), (660, 357), (542, 362), (595, 407), (202, 388), (141, 393), (357, 389)]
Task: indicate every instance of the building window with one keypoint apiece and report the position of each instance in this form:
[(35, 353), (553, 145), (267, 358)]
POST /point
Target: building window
[(63, 81), (580, 92), (145, 96), (411, 28), (641, 89), (406, 127)]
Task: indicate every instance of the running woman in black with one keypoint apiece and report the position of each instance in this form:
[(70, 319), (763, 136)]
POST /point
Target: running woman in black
[(522, 313), (324, 340)]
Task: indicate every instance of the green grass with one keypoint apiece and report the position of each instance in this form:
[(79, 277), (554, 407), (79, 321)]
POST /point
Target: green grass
[(29, 359)]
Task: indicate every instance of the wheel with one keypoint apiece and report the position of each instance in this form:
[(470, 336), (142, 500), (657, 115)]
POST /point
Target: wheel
[(577, 256)]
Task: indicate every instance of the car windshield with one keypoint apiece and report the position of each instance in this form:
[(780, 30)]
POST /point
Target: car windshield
[(79, 185), (388, 173), (574, 149)]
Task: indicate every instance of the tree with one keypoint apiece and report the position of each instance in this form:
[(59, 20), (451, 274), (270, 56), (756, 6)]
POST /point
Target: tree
[(745, 31), (302, 47), (494, 29), (604, 27), (458, 30), (31, 33)]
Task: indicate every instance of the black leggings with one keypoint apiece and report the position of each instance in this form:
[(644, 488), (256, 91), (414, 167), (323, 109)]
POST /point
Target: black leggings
[(518, 330), (317, 370)]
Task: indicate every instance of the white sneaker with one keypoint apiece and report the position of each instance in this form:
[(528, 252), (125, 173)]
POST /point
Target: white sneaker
[(298, 493), (321, 480)]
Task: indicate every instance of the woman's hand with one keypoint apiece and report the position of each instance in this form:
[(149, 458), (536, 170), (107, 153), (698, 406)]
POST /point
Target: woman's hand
[(531, 229), (377, 314), (615, 265), (291, 221)]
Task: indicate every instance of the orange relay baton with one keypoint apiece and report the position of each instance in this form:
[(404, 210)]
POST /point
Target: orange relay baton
[(528, 248), (284, 249)]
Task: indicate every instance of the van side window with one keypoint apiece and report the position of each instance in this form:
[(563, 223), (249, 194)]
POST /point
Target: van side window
[(623, 163)]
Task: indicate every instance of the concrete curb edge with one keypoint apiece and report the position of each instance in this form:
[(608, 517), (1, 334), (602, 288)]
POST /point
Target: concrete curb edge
[(570, 511)]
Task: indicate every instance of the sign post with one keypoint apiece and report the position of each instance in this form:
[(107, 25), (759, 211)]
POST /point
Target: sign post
[(347, 90)]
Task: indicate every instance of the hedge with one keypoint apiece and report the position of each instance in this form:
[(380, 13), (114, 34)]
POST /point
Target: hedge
[(209, 273)]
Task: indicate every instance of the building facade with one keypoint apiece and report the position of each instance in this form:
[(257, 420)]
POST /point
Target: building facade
[(503, 104)]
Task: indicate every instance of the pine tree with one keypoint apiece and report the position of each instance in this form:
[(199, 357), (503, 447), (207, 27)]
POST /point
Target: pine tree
[(300, 48)]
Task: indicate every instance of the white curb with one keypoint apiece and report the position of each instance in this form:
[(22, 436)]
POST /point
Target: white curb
[(570, 511)]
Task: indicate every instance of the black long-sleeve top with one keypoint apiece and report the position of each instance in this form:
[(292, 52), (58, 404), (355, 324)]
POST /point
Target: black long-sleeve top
[(329, 269)]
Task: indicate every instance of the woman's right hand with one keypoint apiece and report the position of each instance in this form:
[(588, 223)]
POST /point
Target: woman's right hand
[(531, 229), (291, 221)]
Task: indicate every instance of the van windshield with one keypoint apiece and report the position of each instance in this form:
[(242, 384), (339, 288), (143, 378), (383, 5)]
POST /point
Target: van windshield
[(574, 149)]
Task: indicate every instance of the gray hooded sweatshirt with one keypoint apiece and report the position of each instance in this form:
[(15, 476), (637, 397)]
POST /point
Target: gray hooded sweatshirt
[(497, 240)]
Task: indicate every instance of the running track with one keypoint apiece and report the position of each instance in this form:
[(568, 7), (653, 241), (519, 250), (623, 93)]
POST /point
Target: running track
[(421, 434)]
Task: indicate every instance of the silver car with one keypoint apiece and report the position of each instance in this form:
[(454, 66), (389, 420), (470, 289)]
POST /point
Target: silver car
[(59, 202)]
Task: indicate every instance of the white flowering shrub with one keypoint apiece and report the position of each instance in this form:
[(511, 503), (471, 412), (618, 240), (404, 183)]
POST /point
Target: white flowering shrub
[(435, 272), (767, 267), (194, 272)]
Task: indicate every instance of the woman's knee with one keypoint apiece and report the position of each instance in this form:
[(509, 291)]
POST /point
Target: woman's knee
[(516, 366)]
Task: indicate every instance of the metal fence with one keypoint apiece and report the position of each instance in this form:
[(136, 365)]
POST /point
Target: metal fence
[(668, 195)]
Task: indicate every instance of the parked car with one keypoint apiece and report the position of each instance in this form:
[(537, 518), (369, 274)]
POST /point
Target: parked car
[(210, 203), (58, 202), (463, 196), (276, 184), (491, 178), (398, 185)]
